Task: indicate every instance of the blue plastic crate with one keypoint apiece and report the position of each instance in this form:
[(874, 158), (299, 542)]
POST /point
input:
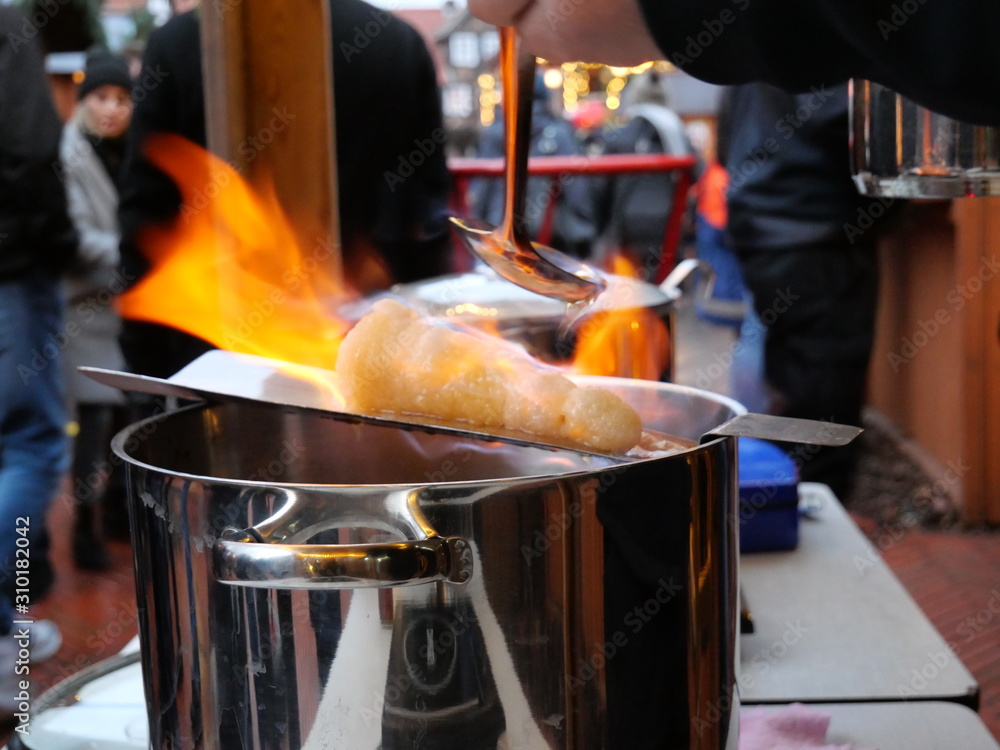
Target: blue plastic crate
[(769, 497)]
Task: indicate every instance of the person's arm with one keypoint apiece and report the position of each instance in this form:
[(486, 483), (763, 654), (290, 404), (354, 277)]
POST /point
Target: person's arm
[(98, 247), (608, 31), (33, 219), (427, 193), (941, 54)]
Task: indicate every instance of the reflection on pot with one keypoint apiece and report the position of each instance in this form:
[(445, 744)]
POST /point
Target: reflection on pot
[(902, 150), (445, 690)]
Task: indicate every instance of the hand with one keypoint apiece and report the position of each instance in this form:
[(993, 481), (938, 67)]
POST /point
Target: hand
[(606, 31)]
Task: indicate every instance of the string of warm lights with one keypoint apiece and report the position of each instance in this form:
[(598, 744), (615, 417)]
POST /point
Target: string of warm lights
[(576, 80), (489, 98)]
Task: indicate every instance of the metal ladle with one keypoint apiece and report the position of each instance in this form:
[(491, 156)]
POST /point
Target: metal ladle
[(508, 249)]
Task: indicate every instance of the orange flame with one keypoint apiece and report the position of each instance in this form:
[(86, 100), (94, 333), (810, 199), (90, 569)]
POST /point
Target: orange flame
[(623, 341), (231, 270)]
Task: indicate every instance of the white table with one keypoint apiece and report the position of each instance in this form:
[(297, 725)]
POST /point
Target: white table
[(833, 624), (924, 725)]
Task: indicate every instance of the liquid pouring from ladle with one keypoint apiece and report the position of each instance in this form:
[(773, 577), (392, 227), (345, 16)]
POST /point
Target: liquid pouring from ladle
[(508, 249)]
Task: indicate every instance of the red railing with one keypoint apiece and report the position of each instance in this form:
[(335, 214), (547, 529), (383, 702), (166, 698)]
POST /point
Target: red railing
[(556, 167)]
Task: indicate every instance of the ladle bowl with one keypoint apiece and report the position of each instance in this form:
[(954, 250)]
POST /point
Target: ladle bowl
[(542, 270)]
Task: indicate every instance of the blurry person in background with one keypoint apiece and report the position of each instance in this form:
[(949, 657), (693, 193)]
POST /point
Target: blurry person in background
[(91, 152), (559, 213), (633, 210), (725, 302), (814, 287), (393, 229), (36, 243)]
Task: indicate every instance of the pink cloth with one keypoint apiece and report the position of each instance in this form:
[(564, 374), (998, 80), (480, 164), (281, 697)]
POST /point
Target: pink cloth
[(793, 727)]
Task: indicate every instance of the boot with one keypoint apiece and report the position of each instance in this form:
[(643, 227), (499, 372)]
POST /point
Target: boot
[(89, 552)]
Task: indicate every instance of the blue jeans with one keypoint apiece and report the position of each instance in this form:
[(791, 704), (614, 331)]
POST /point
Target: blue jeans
[(33, 443)]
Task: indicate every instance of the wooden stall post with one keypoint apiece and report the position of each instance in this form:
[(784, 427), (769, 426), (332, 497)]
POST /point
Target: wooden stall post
[(268, 71)]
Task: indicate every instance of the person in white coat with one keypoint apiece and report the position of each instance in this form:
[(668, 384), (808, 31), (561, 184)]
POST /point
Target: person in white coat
[(91, 153)]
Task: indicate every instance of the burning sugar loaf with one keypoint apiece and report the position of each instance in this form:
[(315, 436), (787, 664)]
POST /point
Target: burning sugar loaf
[(394, 360)]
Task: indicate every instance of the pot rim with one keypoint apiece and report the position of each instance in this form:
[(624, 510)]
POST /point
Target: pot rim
[(519, 307), (614, 463)]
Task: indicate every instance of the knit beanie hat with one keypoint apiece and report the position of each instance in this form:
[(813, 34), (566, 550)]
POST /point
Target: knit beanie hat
[(103, 69)]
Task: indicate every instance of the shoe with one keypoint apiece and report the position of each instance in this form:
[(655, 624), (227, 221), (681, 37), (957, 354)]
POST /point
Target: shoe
[(116, 520), (89, 552), (43, 642)]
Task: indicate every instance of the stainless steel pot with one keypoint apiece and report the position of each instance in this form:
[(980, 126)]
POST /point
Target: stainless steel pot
[(483, 299), (502, 596)]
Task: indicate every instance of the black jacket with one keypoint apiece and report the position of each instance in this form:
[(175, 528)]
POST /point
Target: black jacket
[(940, 53), (388, 115), (789, 167), (35, 230)]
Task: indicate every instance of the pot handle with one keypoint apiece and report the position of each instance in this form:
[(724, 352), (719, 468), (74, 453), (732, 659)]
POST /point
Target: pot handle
[(671, 286), (244, 558)]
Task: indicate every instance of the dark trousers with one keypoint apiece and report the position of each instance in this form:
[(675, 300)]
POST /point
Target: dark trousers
[(95, 473), (818, 306)]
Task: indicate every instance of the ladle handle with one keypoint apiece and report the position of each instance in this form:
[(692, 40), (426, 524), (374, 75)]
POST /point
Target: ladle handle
[(517, 78), (243, 559)]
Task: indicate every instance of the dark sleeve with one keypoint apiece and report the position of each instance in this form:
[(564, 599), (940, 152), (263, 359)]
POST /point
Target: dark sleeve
[(435, 184), (422, 200), (35, 229), (940, 53)]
